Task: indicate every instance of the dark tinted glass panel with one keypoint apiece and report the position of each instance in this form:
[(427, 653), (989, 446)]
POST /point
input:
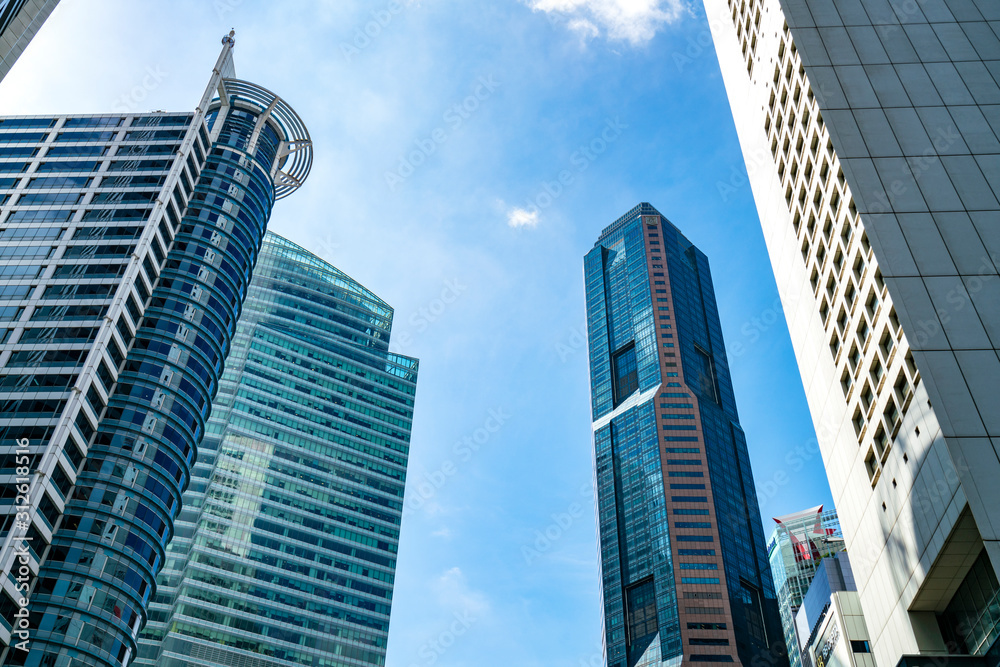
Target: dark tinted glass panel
[(101, 121), (76, 151), (6, 151), (642, 625), (704, 375), (50, 215), (85, 136), (22, 137), (971, 622), (752, 605), (50, 199), (626, 374), (68, 165), (8, 123), (160, 120)]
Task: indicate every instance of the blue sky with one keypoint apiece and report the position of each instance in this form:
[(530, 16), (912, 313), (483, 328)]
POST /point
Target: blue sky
[(440, 137)]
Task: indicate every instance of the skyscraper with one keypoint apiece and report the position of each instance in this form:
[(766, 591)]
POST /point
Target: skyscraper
[(797, 546), (830, 623), (126, 249), (285, 550), (19, 21), (684, 569), (871, 129)]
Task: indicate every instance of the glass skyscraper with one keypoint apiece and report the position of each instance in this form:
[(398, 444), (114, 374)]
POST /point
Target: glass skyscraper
[(127, 244), (798, 544), (871, 135), (684, 568), (19, 21), (285, 550)]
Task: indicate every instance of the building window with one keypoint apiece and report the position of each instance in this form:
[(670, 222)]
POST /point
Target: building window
[(626, 373), (846, 381), (891, 414), (642, 624), (858, 421), (754, 611), (704, 375), (970, 623), (871, 465), (860, 646), (867, 397)]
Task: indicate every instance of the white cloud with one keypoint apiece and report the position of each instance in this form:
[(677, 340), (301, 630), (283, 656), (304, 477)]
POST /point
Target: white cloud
[(585, 28), (453, 591), (519, 217), (633, 21)]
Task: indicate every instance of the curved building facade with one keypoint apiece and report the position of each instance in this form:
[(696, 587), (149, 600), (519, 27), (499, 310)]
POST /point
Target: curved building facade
[(286, 547), (137, 411)]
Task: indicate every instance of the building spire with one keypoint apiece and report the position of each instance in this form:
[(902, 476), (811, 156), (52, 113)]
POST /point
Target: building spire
[(230, 39)]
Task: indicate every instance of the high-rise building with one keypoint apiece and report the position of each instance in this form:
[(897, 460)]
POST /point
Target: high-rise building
[(830, 623), (684, 568), (285, 551), (797, 546), (19, 21), (871, 132), (127, 243)]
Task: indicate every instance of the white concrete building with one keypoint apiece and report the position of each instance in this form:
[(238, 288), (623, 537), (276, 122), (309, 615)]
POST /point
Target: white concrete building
[(840, 639), (870, 133), (19, 21)]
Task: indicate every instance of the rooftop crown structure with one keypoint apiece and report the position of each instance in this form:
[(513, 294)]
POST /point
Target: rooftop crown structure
[(684, 568), (127, 243)]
